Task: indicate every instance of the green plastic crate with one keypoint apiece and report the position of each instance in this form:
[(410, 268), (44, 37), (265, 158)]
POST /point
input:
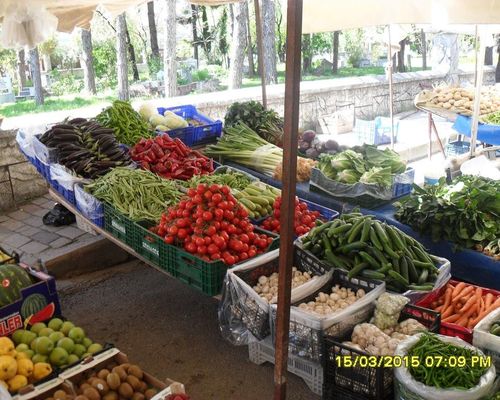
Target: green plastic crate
[(152, 247), (119, 225), (202, 275)]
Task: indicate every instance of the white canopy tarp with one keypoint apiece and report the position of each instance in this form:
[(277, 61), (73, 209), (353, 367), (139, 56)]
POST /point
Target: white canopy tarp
[(333, 15)]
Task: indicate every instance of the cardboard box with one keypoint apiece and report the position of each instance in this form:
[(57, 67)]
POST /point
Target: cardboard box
[(43, 291)]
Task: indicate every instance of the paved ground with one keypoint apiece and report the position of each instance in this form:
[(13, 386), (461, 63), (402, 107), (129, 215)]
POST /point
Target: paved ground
[(23, 231), (169, 329)]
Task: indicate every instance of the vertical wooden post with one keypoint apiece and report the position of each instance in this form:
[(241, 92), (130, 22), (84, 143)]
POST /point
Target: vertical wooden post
[(121, 58), (290, 142), (391, 94)]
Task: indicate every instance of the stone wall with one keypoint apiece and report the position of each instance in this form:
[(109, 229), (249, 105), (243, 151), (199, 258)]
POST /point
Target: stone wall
[(19, 180), (368, 95)]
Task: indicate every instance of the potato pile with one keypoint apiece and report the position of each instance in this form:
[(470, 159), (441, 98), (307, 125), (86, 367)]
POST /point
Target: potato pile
[(267, 287), (339, 299), (114, 382), (461, 100)]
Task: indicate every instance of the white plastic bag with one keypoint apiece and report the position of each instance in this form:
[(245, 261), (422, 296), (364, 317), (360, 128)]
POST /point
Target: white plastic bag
[(90, 207), (26, 23), (65, 177), (25, 142), (484, 340), (407, 388)]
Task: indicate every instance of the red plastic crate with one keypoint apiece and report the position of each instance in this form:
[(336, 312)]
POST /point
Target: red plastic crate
[(447, 328)]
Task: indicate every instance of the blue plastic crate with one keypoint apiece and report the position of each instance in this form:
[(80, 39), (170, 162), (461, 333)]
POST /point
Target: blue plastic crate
[(90, 207), (375, 132), (66, 193), (457, 148), (208, 132), (325, 212), (402, 189), (42, 168)]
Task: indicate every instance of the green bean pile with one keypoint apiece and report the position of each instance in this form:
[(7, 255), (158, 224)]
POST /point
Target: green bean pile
[(128, 124), (233, 179), (444, 365), (493, 118), (139, 194)]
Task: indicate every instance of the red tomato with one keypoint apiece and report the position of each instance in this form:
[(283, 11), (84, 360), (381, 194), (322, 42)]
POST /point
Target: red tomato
[(212, 248), (244, 238), (197, 199), (224, 235), (217, 198), (191, 248), (199, 241), (207, 216), (208, 240), (199, 221), (182, 234), (214, 188), (201, 188), (229, 215), (208, 195), (229, 260), (223, 205), (215, 256), (182, 204), (219, 214), (173, 230), (225, 190), (252, 253), (202, 249), (186, 213), (169, 239), (243, 256), (191, 192), (231, 229), (211, 230)]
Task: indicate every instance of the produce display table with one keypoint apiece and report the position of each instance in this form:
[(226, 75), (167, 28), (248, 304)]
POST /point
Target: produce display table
[(60, 199), (486, 133), (467, 265)]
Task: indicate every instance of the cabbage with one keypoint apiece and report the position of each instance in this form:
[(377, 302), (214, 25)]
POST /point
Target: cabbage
[(348, 176)]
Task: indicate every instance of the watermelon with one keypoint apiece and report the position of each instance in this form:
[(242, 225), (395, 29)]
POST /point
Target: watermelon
[(43, 315), (32, 304), (13, 278)]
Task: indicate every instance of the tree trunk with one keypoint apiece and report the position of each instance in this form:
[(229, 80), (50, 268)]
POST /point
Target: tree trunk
[(251, 65), (488, 56), (21, 69), (47, 63), (238, 46), (169, 55), (497, 70), (194, 20), (401, 56), (231, 18), (131, 53), (335, 61), (121, 57), (269, 40), (205, 34), (424, 49), (36, 76), (87, 61), (306, 53), (153, 35)]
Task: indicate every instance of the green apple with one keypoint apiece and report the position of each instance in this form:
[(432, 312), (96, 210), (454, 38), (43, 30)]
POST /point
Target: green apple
[(56, 336), (36, 328), (17, 336), (39, 358), (58, 356), (22, 347), (67, 344), (73, 358), (45, 332), (28, 337), (87, 342), (55, 324), (44, 345), (77, 334), (79, 350), (66, 327), (29, 352), (94, 348)]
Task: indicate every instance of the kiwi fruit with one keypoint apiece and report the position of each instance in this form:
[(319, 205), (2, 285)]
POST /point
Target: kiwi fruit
[(121, 373), (135, 371), (150, 393), (92, 393), (138, 396), (84, 386), (101, 386), (113, 380), (143, 386), (125, 366), (125, 390), (81, 397), (59, 395), (111, 365), (112, 395), (103, 373), (134, 382)]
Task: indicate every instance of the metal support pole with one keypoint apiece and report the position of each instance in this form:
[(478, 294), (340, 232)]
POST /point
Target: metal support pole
[(477, 94), (389, 77), (290, 143), (260, 51)]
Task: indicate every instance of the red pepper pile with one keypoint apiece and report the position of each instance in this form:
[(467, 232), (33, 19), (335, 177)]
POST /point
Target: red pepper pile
[(213, 225), (170, 158), (305, 219)]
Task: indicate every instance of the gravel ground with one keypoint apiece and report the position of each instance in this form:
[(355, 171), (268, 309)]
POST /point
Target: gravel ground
[(169, 329)]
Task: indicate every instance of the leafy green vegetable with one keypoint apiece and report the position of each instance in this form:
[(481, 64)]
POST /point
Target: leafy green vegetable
[(466, 212), (365, 164)]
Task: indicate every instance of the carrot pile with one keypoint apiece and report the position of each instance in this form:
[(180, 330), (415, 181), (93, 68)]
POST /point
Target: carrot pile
[(465, 304)]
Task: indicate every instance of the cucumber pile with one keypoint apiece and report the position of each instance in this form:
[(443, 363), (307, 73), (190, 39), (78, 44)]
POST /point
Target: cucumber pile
[(258, 199), (495, 328), (372, 249)]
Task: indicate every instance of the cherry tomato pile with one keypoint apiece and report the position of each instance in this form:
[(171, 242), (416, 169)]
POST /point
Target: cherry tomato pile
[(211, 224), (305, 219), (170, 158)]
